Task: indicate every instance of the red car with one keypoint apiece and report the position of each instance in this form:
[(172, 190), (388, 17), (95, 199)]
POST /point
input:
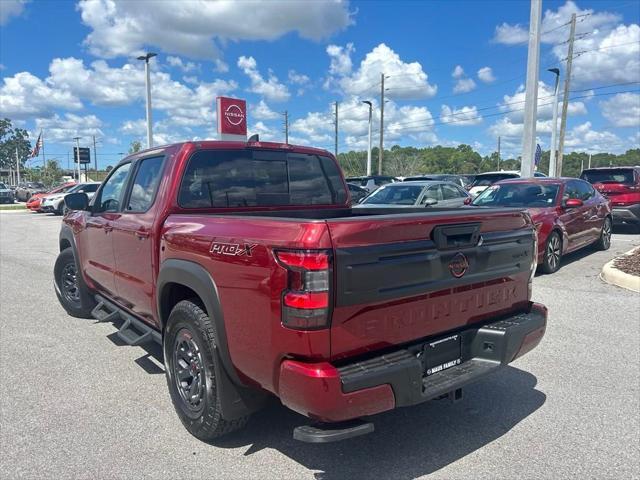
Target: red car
[(621, 185), (35, 202), (568, 214), (245, 261)]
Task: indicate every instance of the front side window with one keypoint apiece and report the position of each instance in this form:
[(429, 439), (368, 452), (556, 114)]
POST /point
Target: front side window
[(403, 194), (145, 185), (246, 178), (585, 191), (112, 190)]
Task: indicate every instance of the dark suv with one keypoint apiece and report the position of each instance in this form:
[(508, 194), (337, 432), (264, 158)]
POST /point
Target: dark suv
[(621, 185)]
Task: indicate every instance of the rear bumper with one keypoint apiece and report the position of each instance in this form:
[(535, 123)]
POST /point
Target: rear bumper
[(630, 214), (326, 393)]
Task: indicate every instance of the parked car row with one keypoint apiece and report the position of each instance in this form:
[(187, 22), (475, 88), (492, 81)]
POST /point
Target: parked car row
[(53, 200)]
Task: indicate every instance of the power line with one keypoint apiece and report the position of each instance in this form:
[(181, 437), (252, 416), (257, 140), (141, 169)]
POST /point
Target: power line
[(606, 47), (519, 109)]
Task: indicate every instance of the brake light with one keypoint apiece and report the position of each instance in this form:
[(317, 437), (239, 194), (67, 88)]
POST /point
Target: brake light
[(305, 302)]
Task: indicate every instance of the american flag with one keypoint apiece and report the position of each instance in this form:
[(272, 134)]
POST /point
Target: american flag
[(36, 150)]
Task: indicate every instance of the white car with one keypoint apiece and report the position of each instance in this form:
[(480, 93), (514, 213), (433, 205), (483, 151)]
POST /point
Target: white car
[(416, 194), (484, 180), (55, 203)]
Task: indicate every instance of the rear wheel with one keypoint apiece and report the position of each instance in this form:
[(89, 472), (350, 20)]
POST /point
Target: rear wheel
[(552, 253), (60, 209), (604, 242), (73, 294), (190, 366)]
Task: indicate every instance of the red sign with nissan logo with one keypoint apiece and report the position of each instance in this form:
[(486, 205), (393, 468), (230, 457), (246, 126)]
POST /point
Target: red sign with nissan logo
[(232, 116)]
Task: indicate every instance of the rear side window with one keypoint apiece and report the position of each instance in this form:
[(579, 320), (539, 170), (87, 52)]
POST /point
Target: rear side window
[(246, 178), (450, 192), (145, 184), (609, 175)]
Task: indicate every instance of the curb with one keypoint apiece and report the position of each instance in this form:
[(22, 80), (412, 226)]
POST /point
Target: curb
[(613, 276)]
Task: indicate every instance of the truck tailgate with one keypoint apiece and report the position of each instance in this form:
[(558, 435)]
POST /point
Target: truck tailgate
[(400, 278)]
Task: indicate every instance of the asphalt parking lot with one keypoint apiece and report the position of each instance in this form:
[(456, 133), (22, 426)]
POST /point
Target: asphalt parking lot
[(76, 404)]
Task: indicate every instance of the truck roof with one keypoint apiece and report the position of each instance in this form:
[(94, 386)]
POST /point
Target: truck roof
[(225, 144)]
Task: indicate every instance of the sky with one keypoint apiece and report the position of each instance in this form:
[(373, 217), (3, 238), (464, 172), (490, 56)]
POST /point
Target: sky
[(454, 71)]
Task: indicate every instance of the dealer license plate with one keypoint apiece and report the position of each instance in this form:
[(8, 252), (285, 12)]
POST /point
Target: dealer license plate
[(442, 354)]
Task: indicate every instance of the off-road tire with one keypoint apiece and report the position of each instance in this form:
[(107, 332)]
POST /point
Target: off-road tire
[(604, 241), (188, 320), (80, 307), (552, 253)]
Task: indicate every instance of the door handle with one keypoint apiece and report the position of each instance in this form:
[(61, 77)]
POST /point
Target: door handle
[(141, 234)]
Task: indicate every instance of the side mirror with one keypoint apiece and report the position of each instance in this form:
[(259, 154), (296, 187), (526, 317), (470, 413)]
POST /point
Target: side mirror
[(468, 200), (573, 203), (77, 201), (430, 201)]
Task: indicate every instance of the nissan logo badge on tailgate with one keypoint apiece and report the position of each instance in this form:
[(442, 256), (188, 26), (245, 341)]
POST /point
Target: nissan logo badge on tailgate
[(458, 265)]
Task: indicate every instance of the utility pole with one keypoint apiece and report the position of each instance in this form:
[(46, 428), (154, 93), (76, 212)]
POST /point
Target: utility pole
[(148, 85), (17, 167), (589, 161), (581, 165), (335, 123), (531, 93), (44, 160), (95, 156), (286, 126), (381, 151), (77, 139), (554, 125), (498, 167), (369, 144), (565, 96)]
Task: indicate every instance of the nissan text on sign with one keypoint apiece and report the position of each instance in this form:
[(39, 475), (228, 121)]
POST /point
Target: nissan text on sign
[(232, 118)]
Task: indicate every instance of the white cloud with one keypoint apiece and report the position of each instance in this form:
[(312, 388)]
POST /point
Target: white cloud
[(134, 127), (265, 132), (261, 111), (298, 78), (485, 74), (610, 58), (271, 89), (458, 72), (605, 50), (514, 104), (197, 28), (460, 116), (584, 138), (553, 23), (340, 59), (62, 129), (186, 67), (404, 80), (464, 85), (26, 96), (11, 8), (622, 110), (220, 66)]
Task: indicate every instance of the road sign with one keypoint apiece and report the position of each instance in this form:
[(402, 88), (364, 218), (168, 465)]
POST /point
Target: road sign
[(85, 155)]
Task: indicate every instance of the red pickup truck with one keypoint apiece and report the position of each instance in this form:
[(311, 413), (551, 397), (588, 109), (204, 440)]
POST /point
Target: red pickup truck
[(246, 263)]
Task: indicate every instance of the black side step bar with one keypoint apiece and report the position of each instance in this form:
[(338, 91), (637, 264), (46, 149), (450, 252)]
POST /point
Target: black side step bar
[(133, 331), (332, 432)]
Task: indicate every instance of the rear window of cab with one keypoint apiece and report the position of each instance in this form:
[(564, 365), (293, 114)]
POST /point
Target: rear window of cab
[(259, 178)]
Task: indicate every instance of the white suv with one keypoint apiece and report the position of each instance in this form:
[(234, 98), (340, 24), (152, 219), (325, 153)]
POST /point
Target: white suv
[(55, 203)]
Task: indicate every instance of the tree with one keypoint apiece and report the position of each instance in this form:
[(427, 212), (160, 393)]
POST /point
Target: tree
[(10, 139), (135, 146)]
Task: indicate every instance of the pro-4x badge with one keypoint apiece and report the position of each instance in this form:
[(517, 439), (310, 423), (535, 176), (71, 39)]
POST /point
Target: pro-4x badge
[(232, 249)]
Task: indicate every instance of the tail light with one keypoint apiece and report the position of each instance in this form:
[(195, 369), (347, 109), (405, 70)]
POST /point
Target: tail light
[(305, 302), (534, 261)]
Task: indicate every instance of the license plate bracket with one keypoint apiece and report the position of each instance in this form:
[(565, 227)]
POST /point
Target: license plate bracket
[(442, 354)]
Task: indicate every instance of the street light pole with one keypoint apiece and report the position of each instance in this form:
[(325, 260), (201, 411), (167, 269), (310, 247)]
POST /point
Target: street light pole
[(554, 125), (148, 85), (369, 148)]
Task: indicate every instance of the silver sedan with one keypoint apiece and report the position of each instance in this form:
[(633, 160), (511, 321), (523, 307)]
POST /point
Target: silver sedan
[(416, 194)]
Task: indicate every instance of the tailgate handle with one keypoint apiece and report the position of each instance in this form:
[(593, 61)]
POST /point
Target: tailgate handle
[(456, 236)]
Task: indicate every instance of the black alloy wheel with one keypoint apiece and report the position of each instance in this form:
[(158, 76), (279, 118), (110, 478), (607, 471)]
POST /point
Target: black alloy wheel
[(188, 371)]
